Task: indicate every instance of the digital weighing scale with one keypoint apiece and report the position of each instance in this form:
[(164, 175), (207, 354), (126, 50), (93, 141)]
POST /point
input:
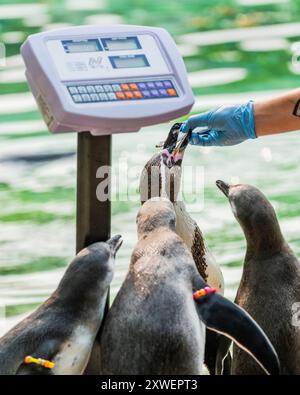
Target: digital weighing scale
[(106, 79), (100, 80)]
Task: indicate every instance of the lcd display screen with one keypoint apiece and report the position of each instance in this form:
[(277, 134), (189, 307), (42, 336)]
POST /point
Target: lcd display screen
[(121, 44), (71, 46), (124, 62)]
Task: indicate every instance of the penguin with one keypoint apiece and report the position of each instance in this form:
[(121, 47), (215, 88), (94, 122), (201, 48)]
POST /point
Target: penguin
[(62, 330), (161, 176), (270, 283), (154, 325)]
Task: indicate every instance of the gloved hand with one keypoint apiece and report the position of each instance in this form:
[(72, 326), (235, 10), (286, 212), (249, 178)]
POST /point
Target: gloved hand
[(226, 125)]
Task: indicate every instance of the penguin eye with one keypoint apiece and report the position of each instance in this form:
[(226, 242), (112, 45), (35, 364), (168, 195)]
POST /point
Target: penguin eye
[(172, 223)]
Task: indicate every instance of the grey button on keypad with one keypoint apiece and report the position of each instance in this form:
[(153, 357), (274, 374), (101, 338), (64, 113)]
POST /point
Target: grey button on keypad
[(73, 90), (95, 97), (111, 96), (107, 88), (99, 88), (82, 89), (86, 98), (90, 89), (103, 96), (77, 98)]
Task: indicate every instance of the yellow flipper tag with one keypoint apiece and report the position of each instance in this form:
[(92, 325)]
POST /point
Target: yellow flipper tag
[(39, 361)]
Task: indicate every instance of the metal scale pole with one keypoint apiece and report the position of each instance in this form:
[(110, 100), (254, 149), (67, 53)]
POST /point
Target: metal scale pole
[(93, 217)]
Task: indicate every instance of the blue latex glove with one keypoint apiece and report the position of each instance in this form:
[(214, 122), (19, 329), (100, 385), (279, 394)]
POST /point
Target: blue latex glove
[(226, 125)]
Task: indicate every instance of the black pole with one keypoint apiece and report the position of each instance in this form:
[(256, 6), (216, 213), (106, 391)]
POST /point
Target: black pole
[(93, 216)]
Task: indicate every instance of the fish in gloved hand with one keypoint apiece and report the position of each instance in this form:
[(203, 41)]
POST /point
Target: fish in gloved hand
[(224, 126)]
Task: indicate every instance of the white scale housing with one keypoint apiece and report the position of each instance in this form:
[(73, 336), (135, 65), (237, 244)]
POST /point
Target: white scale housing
[(106, 79)]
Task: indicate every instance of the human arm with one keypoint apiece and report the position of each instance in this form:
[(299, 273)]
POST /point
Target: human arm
[(233, 124), (278, 115)]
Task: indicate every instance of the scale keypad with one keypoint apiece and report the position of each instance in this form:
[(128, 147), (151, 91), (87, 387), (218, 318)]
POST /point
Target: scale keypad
[(123, 91)]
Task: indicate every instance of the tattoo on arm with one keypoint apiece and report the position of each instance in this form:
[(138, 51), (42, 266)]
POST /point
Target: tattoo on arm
[(296, 111)]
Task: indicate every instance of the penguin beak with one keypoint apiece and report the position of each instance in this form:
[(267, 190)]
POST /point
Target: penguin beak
[(115, 243), (182, 141), (223, 186), (174, 156)]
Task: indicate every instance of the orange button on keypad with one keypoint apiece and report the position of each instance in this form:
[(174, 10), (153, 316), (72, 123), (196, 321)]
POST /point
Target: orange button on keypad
[(172, 92), (133, 87), (120, 95), (124, 87), (129, 95), (137, 94)]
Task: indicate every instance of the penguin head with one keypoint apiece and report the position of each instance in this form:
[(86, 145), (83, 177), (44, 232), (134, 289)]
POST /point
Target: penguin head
[(99, 257), (91, 271), (154, 214), (253, 211), (247, 202), (174, 146), (161, 175)]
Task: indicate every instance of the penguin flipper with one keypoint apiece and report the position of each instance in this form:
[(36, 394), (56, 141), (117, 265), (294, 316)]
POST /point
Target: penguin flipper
[(216, 361), (228, 319), (33, 370), (211, 346)]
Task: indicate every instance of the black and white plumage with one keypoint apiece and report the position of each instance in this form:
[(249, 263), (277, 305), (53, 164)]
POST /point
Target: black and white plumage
[(161, 176), (270, 285), (64, 327), (154, 325)]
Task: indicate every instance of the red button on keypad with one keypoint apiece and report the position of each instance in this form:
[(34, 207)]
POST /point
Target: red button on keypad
[(172, 92), (133, 87), (129, 95), (120, 95), (137, 94), (124, 87)]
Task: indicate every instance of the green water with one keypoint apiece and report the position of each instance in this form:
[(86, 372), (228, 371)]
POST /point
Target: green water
[(37, 198)]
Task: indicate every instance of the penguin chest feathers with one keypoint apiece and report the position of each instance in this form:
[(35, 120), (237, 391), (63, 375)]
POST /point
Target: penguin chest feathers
[(75, 352), (186, 228)]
